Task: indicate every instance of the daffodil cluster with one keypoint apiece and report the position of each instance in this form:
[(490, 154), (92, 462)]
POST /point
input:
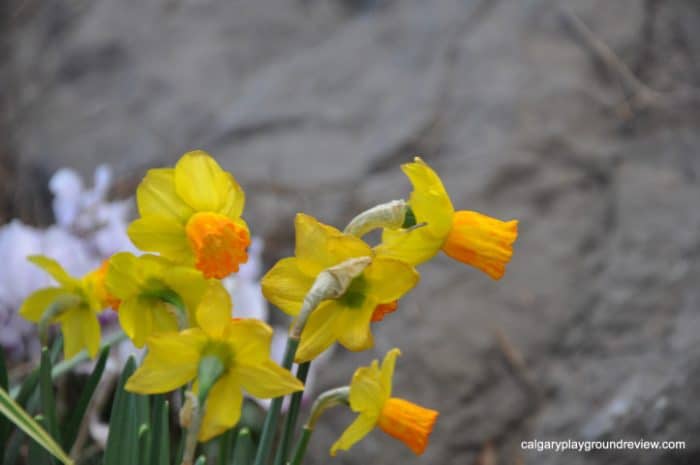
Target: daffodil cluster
[(170, 299)]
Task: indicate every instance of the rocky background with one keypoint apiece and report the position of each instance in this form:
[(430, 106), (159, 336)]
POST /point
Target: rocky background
[(578, 118)]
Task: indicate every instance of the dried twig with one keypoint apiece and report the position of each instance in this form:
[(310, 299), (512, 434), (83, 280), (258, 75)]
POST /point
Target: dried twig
[(516, 362)]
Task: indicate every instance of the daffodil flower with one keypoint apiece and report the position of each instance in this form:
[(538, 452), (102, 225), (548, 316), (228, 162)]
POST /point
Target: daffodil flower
[(152, 292), (467, 236), (370, 396), (241, 345), (346, 319), (77, 302), (191, 215)]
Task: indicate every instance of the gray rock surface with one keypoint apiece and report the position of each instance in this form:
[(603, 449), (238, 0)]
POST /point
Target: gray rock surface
[(592, 334)]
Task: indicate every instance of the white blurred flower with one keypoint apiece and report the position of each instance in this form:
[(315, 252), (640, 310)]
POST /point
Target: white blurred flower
[(88, 230)]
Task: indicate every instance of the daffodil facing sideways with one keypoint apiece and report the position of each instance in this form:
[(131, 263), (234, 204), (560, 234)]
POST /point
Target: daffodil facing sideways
[(191, 214), (470, 237), (73, 304), (155, 295), (345, 319), (240, 348), (370, 396)]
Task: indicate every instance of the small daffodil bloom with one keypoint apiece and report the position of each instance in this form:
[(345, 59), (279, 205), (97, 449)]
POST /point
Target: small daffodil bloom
[(346, 319), (241, 345), (467, 236), (370, 396), (155, 295), (77, 301), (191, 214)]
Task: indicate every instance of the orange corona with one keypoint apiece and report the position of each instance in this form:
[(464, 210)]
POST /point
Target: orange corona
[(407, 422), (219, 244)]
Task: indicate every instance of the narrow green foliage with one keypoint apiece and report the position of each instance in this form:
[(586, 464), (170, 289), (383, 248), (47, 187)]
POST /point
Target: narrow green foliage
[(70, 431), (37, 455), (129, 412), (46, 395), (160, 435), (12, 410), (201, 460), (225, 446), (4, 423), (144, 444), (292, 415), (245, 449), (273, 413)]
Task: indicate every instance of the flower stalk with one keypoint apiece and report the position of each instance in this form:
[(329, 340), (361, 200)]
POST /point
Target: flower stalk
[(210, 370), (329, 399)]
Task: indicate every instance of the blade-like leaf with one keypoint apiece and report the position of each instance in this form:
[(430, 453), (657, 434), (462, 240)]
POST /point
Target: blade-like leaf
[(46, 394), (201, 460), (129, 412), (160, 448), (226, 445), (4, 423), (70, 432), (244, 452), (23, 421)]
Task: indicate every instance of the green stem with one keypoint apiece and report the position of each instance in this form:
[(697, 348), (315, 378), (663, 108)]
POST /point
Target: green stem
[(273, 413), (292, 415), (300, 449)]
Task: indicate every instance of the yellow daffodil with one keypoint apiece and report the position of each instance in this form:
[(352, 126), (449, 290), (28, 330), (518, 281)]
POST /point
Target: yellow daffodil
[(241, 345), (77, 303), (346, 319), (152, 293), (467, 236), (370, 396), (191, 215)]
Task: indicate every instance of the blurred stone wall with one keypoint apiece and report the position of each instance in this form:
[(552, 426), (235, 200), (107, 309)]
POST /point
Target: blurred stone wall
[(313, 104)]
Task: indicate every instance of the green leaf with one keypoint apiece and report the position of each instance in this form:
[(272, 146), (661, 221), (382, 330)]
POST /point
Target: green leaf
[(12, 410), (226, 445), (160, 448), (245, 450), (76, 419), (129, 412), (46, 395), (201, 460), (144, 444), (4, 423), (36, 454)]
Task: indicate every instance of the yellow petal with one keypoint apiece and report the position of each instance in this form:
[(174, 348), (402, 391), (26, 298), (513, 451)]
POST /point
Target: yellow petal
[(319, 332), (366, 393), (267, 379), (250, 339), (429, 200), (223, 407), (171, 361), (38, 302), (163, 235), (136, 319), (387, 371), (319, 246), (389, 279), (352, 326), (81, 330), (411, 246), (156, 196), (123, 275), (190, 285), (200, 181), (214, 311), (286, 286), (357, 430), (234, 199), (56, 271)]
